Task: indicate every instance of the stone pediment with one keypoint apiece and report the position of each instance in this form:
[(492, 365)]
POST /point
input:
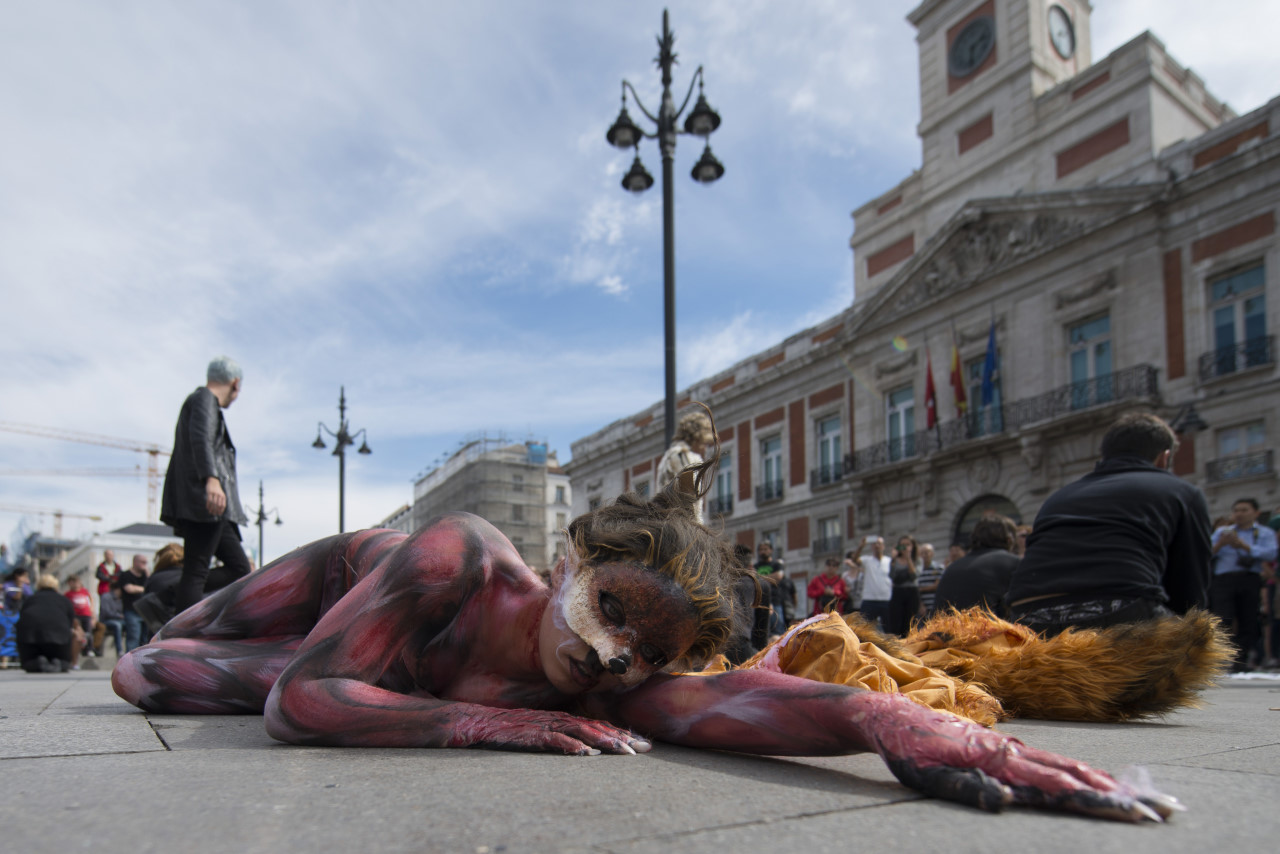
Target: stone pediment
[(989, 236)]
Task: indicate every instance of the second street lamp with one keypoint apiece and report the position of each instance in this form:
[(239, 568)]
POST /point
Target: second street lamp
[(264, 516), (625, 134), (343, 437)]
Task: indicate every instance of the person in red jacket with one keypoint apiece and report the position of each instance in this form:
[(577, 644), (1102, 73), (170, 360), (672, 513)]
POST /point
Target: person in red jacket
[(827, 590), (108, 572), (82, 606)]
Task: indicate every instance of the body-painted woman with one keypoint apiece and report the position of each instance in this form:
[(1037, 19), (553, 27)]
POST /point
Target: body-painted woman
[(446, 639)]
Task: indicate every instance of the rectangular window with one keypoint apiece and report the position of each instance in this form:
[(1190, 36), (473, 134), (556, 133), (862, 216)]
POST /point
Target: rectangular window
[(983, 420), (722, 498), (1242, 452), (830, 460), (1089, 346), (1238, 305), (593, 503), (560, 495), (901, 408), (517, 482), (562, 519), (642, 488), (830, 537), (517, 512), (772, 538), (1244, 439), (771, 467)]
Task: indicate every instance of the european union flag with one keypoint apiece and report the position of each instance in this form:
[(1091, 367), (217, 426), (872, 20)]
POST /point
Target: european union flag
[(990, 369)]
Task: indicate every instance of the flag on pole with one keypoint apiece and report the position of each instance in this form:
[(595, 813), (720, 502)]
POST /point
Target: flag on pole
[(957, 377), (930, 393), (990, 368)]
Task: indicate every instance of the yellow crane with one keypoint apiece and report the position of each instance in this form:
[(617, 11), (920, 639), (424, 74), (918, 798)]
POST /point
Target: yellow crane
[(44, 511), (153, 452)]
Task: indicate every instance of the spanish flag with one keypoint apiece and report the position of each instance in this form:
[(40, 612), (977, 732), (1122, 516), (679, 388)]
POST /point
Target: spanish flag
[(957, 379)]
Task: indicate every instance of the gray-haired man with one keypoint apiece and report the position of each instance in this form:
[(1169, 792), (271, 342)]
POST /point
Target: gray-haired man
[(201, 500)]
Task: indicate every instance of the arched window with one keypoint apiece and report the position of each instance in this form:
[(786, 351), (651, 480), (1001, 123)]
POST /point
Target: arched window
[(983, 505)]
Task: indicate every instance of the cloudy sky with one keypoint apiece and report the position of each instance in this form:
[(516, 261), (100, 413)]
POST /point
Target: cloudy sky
[(415, 200)]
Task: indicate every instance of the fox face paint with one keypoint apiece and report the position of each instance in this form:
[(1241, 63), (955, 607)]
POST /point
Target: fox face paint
[(619, 622)]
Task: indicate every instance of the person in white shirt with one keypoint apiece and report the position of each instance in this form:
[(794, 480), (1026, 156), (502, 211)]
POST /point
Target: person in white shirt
[(877, 589)]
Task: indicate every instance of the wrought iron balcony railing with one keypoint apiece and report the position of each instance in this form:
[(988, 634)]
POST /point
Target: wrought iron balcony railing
[(827, 546), (770, 490), (826, 475), (1240, 465), (1133, 383), (720, 505), (1254, 353)]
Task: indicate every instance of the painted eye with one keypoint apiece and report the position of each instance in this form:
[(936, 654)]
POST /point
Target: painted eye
[(653, 655), (612, 609)]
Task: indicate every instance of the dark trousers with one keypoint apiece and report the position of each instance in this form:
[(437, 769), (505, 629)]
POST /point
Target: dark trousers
[(903, 607), (200, 542), (876, 610), (1235, 598)]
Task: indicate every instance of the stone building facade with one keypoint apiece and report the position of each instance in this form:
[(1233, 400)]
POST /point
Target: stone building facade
[(512, 485), (1110, 226)]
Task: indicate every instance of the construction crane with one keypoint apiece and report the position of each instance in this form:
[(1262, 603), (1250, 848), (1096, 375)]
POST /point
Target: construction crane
[(152, 451), (44, 511)]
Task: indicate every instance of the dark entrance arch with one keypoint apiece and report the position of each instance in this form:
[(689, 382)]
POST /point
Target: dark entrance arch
[(983, 505)]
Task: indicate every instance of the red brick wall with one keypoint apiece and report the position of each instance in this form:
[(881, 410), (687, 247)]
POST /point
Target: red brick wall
[(1237, 235), (1101, 80), (640, 468), (723, 384), (773, 416), (1091, 148), (889, 205), (1175, 343), (827, 334), (744, 460), (1229, 146), (747, 538), (765, 364), (975, 133), (796, 430), (891, 254), (726, 435), (798, 533), (1184, 459), (818, 398)]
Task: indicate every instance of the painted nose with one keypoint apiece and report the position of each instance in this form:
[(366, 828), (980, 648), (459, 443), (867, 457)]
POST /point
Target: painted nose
[(619, 665)]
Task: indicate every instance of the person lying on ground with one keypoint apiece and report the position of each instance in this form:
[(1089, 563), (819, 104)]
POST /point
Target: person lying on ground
[(445, 638)]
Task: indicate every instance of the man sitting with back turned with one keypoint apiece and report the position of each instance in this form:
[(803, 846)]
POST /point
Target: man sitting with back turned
[(1127, 542)]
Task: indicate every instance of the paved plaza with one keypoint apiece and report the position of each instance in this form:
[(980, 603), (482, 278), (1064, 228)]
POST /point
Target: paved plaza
[(84, 771)]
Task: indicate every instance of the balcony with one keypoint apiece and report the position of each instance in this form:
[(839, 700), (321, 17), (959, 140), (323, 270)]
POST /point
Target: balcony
[(720, 505), (770, 490), (1136, 383), (827, 546), (1254, 353), (1239, 466), (826, 475)]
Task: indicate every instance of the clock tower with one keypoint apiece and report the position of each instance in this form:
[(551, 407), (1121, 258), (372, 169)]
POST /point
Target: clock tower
[(982, 65)]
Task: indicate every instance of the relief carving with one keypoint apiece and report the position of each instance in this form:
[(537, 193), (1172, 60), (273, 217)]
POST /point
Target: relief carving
[(1105, 282), (983, 247), (884, 369)]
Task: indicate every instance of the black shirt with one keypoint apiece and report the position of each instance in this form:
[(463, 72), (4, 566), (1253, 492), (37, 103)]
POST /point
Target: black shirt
[(130, 577), (46, 618), (1127, 530), (979, 578)]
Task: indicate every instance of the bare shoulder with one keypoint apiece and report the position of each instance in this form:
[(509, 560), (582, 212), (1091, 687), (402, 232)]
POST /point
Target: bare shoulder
[(459, 548)]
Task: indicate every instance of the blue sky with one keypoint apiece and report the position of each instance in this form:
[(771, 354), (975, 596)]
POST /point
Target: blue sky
[(415, 200)]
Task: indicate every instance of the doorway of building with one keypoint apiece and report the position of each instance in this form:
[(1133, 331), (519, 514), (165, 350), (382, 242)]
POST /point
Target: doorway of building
[(983, 505)]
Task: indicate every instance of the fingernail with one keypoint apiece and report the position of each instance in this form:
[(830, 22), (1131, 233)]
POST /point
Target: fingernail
[(626, 748), (592, 752)]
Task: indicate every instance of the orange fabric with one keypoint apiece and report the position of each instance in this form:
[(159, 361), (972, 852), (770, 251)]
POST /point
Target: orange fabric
[(828, 650)]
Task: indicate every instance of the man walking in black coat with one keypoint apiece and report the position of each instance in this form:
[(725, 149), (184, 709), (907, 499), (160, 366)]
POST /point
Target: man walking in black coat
[(201, 500)]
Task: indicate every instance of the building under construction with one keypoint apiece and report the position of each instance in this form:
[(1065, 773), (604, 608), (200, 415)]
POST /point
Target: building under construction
[(517, 486)]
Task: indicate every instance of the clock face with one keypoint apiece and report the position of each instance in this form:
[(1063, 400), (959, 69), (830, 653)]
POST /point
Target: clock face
[(972, 46), (1062, 35)]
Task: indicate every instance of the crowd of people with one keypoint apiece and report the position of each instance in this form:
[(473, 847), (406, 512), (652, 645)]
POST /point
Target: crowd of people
[(1127, 542)]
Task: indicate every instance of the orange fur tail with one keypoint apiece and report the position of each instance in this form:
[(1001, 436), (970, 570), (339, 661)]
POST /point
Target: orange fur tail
[(1126, 672)]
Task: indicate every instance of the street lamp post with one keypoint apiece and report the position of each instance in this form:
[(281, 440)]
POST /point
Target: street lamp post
[(264, 516), (343, 437), (624, 133)]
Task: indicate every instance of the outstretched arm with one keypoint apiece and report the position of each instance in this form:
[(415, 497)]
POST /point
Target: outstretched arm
[(937, 753), (350, 683)]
